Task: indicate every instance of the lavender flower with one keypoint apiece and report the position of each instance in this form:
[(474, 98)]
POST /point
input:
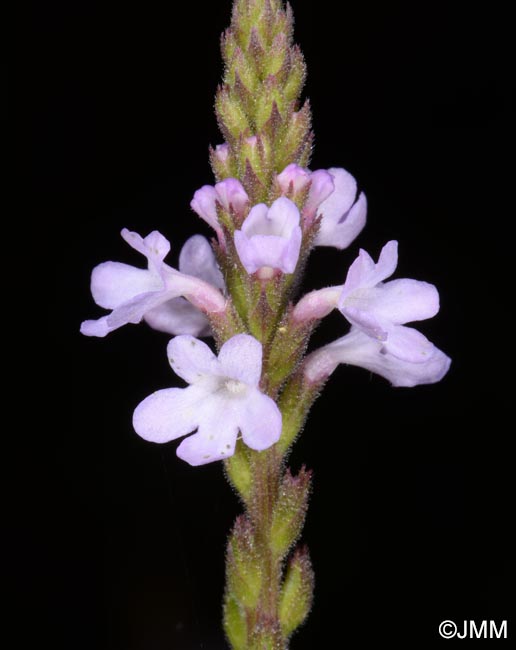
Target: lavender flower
[(343, 214), (359, 349), (153, 294), (330, 193), (270, 237), (223, 398), (228, 194), (378, 311)]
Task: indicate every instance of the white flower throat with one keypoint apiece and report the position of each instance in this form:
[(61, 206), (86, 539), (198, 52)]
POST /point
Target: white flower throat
[(235, 387)]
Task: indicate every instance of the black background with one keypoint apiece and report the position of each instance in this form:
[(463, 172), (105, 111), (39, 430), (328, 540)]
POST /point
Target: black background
[(409, 521)]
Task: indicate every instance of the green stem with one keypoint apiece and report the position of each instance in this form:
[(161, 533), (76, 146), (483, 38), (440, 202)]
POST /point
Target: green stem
[(266, 490), (264, 628)]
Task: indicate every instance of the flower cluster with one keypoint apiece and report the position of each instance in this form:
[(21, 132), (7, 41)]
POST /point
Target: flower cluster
[(268, 241), (246, 404)]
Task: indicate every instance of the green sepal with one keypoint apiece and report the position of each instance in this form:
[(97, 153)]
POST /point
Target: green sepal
[(231, 116), (289, 512), (294, 403), (296, 75), (222, 166), (235, 623), (286, 348), (239, 471), (297, 139), (244, 571), (297, 592)]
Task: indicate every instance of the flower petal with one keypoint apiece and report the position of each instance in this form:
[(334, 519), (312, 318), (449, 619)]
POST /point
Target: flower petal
[(408, 344), (387, 262), (134, 310), (359, 273), (321, 187), (178, 316), (168, 414), (259, 420), (347, 229), (215, 442), (267, 250), (342, 197), (231, 195), (155, 247), (270, 237), (293, 179), (291, 254), (256, 222), (357, 349), (284, 217), (367, 322), (338, 225), (204, 203), (241, 358), (364, 273), (404, 301), (113, 283), (191, 359), (97, 327), (198, 259)]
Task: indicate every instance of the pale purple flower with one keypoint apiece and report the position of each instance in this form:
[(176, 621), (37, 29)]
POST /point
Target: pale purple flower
[(153, 294), (359, 349), (300, 184), (223, 399), (343, 214), (270, 238), (378, 311), (330, 193), (229, 194)]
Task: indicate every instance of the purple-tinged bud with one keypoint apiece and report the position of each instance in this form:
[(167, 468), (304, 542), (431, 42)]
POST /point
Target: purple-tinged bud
[(232, 197), (229, 194), (204, 203), (293, 181), (221, 161), (222, 152)]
